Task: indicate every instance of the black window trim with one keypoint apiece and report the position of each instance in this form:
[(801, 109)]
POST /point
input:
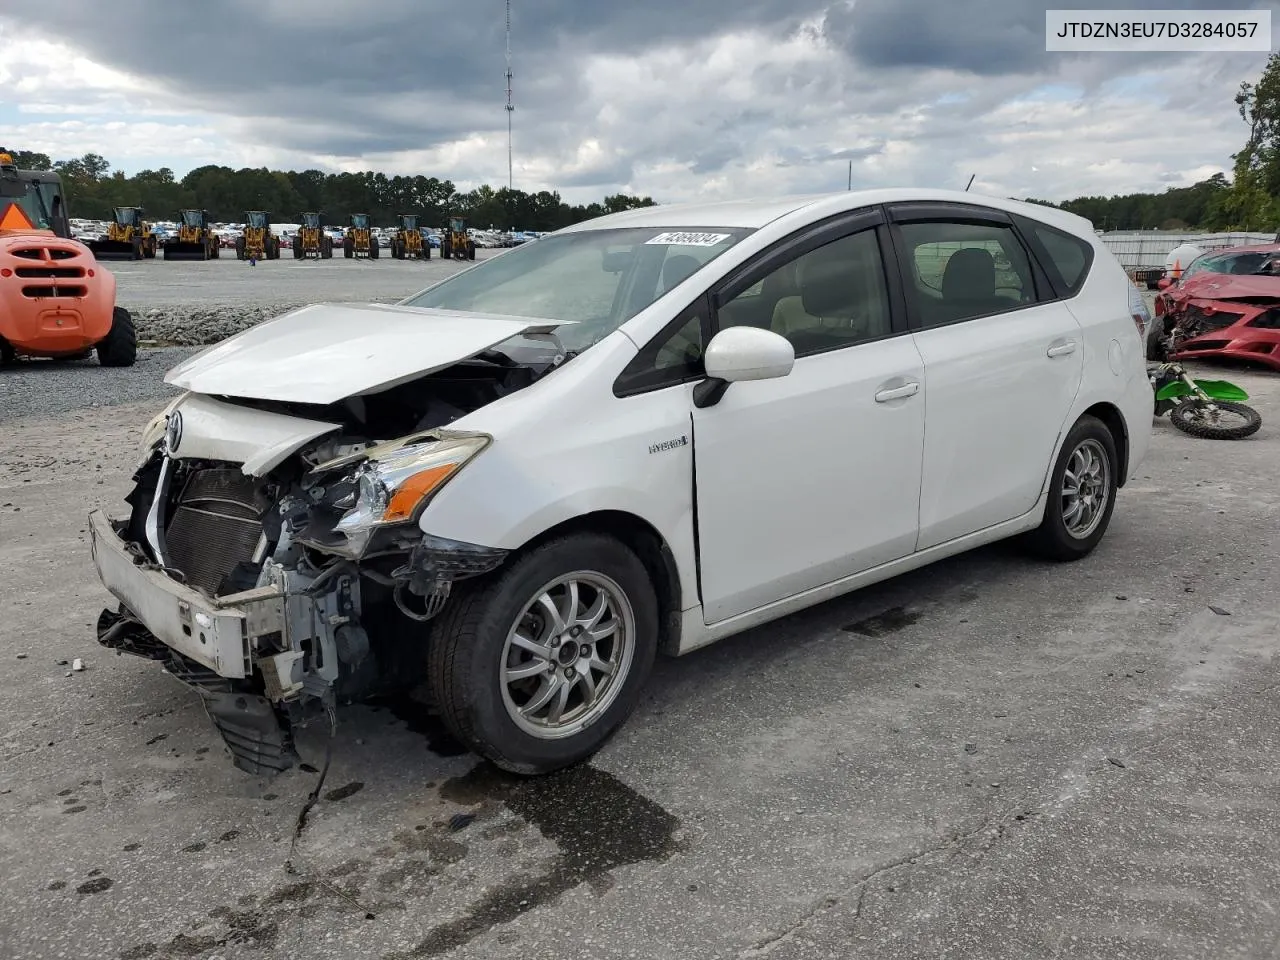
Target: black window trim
[(947, 211)]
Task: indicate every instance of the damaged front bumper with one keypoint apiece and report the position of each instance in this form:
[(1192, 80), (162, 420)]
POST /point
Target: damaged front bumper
[(260, 657), (207, 643)]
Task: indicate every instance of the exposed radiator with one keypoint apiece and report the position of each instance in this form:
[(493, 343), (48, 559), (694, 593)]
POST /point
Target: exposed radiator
[(216, 524)]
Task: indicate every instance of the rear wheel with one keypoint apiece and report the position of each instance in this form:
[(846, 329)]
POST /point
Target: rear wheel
[(471, 251), (446, 250), (1082, 494), (119, 348), (240, 252), (537, 666), (1230, 421)]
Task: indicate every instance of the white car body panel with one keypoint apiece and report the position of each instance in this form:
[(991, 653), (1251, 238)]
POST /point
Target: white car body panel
[(328, 351), (256, 439), (806, 478), (995, 402), (865, 498)]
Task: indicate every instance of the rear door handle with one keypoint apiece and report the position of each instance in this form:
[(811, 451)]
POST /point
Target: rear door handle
[(897, 393), (1061, 348)]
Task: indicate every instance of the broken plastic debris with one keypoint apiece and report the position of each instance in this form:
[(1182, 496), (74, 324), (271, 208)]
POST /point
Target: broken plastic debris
[(77, 664)]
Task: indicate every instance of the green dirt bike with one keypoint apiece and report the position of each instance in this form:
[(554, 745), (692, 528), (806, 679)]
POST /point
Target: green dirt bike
[(1202, 408)]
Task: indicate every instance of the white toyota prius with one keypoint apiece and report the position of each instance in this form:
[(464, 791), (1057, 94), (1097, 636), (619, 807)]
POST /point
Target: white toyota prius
[(642, 433)]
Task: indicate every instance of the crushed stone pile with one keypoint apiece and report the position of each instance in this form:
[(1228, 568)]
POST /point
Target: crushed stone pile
[(194, 325)]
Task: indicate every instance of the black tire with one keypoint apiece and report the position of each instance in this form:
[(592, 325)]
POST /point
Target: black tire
[(446, 250), (426, 250), (296, 247), (326, 249), (469, 637), (119, 348), (1184, 418), (240, 252), (1052, 540), (374, 250), (348, 249), (471, 251)]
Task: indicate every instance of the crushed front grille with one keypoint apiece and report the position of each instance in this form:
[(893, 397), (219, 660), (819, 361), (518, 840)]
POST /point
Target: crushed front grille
[(216, 524)]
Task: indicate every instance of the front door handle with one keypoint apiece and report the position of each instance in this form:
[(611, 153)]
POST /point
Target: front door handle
[(897, 393), (1061, 348)]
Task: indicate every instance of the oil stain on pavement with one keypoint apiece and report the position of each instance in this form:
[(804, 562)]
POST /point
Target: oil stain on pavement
[(597, 821)]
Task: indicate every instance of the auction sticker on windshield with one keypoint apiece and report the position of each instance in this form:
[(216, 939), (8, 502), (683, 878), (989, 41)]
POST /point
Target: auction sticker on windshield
[(690, 239)]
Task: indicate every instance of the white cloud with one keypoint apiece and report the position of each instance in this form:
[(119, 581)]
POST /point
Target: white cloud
[(744, 112)]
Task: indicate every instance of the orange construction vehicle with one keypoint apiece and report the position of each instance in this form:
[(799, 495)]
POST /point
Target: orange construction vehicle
[(56, 299)]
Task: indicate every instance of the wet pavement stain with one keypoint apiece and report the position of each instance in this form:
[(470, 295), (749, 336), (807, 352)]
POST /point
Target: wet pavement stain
[(341, 793), (421, 719), (635, 830), (883, 624), (96, 885)]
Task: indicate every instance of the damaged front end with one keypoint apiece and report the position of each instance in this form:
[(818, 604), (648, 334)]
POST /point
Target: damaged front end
[(272, 558)]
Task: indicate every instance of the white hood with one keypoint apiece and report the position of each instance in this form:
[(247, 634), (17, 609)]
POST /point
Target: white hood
[(329, 351)]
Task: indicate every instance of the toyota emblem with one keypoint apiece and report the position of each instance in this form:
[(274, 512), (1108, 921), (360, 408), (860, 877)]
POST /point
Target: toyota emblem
[(173, 432)]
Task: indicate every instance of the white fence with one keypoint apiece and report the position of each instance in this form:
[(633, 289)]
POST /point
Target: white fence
[(1148, 248)]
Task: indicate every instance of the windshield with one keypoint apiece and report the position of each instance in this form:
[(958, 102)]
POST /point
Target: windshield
[(257, 218), (596, 279), (1256, 263), (126, 216), (311, 220), (191, 218), (409, 223), (27, 196), (360, 220)]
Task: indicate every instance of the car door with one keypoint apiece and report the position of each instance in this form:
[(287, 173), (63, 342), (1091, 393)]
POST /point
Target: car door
[(811, 477), (1003, 359)]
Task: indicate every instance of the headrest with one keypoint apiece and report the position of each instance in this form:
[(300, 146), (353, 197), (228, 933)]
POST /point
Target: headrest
[(970, 273)]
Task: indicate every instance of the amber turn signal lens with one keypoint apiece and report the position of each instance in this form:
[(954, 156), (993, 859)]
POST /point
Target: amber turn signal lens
[(411, 492)]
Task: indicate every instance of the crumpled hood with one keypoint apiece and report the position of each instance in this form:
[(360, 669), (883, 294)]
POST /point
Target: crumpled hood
[(1224, 286), (329, 351)]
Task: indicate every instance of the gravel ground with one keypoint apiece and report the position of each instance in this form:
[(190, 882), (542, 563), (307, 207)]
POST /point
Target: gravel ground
[(988, 759)]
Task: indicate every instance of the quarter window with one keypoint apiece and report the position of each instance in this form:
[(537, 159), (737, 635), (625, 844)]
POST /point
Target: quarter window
[(833, 296), (1069, 254), (958, 271)]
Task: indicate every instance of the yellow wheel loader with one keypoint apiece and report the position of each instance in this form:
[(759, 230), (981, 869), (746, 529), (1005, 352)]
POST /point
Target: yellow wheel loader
[(129, 237), (408, 243), (359, 240), (195, 239), (256, 241), (456, 244), (311, 242)]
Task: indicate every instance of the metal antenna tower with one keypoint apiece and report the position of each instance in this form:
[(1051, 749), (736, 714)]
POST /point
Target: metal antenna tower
[(510, 108)]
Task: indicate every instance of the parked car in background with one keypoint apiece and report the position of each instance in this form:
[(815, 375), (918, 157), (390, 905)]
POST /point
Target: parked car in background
[(1225, 306), (645, 432)]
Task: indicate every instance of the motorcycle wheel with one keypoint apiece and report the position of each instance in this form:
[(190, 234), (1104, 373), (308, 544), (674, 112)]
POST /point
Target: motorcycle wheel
[(1237, 421)]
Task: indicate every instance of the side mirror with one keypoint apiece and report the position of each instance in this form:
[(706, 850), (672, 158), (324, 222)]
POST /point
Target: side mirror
[(742, 353), (1164, 283)]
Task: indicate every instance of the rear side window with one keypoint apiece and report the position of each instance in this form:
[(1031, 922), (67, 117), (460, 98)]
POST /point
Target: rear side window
[(1070, 255)]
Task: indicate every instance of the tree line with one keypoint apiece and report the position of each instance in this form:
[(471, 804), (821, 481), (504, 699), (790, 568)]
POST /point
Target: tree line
[(93, 189), (1249, 201)]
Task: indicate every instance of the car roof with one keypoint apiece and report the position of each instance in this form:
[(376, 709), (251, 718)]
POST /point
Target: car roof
[(756, 212)]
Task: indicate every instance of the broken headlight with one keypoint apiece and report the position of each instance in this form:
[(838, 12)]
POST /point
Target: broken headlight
[(153, 432), (393, 487)]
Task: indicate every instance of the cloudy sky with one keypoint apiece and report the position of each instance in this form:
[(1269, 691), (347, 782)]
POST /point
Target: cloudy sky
[(674, 98)]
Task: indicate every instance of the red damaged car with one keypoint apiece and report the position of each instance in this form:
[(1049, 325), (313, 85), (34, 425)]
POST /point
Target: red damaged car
[(1227, 304)]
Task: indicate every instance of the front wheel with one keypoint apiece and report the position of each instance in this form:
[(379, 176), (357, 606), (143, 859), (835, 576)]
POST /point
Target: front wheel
[(1230, 421), (535, 667), (1082, 494)]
